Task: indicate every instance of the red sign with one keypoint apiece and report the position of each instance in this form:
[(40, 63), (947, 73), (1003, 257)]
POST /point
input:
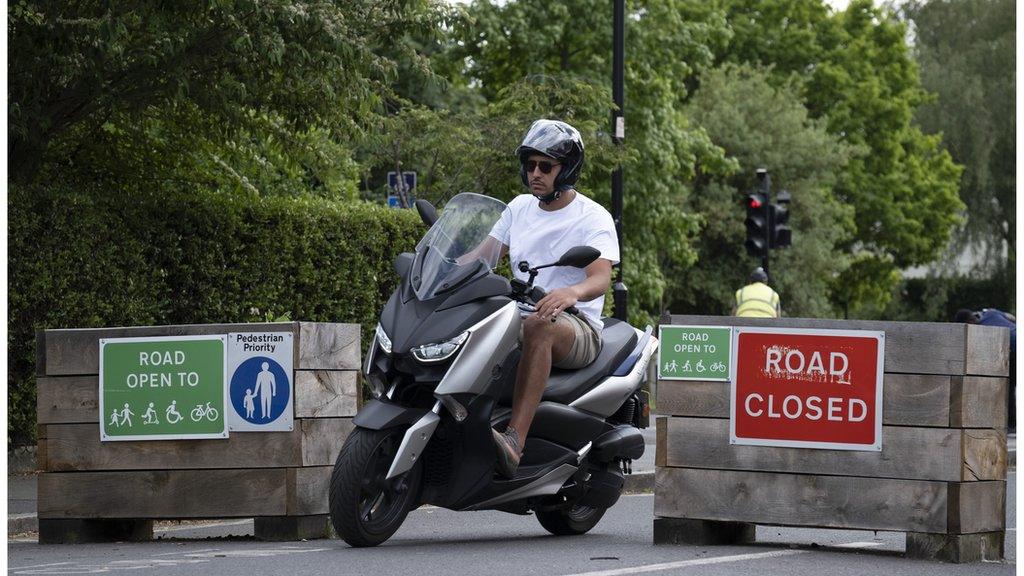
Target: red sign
[(807, 388)]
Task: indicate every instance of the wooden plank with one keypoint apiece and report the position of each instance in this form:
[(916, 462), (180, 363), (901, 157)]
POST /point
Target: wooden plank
[(78, 447), (308, 490), (71, 352), (40, 353), (41, 455), (908, 399), (702, 532), (83, 531), (242, 493), (328, 346), (907, 453), (988, 350), (958, 548), (910, 347), (322, 439), (916, 399), (326, 393), (67, 399), (693, 398), (801, 500), (978, 402), (291, 528), (977, 507), (660, 438), (985, 455)]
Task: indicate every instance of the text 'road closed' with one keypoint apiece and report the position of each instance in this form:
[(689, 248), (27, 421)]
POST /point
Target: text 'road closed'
[(807, 388)]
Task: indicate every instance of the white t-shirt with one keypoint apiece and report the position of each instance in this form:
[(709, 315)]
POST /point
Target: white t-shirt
[(541, 237)]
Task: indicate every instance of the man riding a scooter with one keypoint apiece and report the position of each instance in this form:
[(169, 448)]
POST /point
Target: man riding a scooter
[(538, 227)]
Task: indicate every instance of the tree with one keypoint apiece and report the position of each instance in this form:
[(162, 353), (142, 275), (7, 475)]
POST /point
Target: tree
[(500, 45), (759, 125), (966, 52), (856, 73), (208, 91)]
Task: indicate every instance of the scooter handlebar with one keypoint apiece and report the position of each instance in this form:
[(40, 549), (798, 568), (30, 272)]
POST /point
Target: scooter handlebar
[(537, 294)]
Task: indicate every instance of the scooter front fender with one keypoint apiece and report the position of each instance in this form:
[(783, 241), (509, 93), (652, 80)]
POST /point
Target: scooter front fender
[(415, 440), (380, 415)]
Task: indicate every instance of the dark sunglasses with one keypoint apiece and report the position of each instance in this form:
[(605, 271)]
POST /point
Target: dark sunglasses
[(545, 166)]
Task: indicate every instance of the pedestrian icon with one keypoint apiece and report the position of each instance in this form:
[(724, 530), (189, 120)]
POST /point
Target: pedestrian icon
[(126, 415), (250, 407), (266, 388)]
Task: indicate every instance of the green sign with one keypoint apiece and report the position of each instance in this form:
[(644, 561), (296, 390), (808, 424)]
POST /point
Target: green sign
[(694, 352), (162, 388)]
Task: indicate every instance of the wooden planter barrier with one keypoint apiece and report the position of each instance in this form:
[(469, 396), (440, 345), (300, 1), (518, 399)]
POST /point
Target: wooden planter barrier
[(940, 477), (97, 491)]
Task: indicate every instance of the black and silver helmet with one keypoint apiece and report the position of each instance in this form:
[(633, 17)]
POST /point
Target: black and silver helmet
[(560, 141)]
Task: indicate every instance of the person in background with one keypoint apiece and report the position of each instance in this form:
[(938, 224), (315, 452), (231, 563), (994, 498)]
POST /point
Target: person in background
[(993, 317), (757, 299)]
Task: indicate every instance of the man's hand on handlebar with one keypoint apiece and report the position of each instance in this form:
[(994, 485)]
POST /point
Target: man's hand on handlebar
[(555, 302)]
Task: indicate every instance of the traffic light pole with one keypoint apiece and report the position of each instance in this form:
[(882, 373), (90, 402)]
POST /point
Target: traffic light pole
[(766, 185)]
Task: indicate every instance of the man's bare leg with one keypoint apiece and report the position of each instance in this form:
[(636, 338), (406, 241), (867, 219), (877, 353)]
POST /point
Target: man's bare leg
[(543, 340)]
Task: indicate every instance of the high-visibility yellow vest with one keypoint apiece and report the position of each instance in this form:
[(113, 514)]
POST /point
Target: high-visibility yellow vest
[(757, 300)]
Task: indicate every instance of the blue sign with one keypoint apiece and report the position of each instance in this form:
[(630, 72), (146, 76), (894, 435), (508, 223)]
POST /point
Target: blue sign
[(259, 390), (409, 177)]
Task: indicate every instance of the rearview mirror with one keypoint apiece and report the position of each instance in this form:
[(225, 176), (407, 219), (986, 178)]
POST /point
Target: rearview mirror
[(579, 256), (427, 212)]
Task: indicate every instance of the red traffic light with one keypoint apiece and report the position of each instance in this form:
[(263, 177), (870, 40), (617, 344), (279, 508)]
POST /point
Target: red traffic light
[(755, 201)]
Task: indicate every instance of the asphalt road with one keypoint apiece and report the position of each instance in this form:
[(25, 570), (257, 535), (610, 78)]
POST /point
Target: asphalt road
[(436, 541)]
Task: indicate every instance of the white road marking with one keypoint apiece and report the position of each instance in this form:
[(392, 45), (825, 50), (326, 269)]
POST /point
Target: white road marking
[(38, 566), (181, 552), (694, 562), (256, 553), (858, 545)]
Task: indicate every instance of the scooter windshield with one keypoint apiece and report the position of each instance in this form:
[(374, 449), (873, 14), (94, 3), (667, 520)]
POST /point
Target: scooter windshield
[(450, 251)]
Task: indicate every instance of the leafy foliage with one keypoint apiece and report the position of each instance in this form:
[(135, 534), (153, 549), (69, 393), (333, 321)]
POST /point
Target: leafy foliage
[(966, 52), (856, 73), (234, 92), (83, 257), (501, 47), (762, 126)]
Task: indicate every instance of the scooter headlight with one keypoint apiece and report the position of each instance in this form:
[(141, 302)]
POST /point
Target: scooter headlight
[(383, 340), (439, 352)]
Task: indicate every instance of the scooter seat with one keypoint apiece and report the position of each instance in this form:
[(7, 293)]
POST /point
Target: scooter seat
[(617, 340)]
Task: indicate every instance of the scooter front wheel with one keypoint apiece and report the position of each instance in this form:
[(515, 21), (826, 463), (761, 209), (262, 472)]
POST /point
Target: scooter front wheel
[(570, 521), (366, 508)]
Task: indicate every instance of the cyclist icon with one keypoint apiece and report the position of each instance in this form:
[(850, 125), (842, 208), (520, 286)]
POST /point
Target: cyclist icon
[(200, 411)]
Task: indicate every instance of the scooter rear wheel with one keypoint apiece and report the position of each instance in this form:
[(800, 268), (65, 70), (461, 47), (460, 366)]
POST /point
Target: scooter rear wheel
[(366, 509), (570, 521)]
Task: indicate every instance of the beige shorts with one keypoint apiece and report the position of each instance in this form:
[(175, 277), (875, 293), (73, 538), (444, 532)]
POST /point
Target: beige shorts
[(585, 346)]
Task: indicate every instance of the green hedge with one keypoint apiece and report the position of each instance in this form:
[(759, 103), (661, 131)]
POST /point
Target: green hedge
[(90, 258)]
